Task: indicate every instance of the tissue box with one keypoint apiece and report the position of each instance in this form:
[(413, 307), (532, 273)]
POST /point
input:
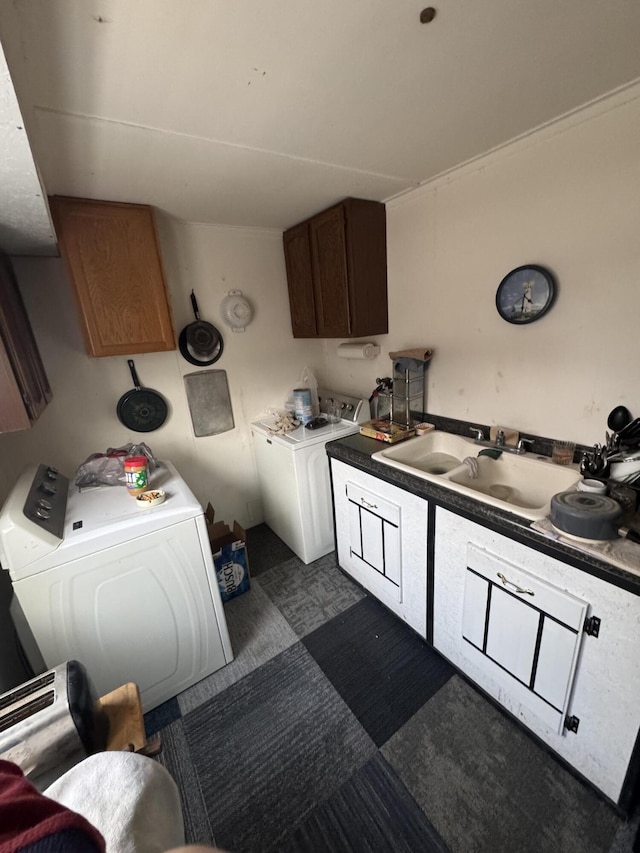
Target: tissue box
[(230, 558)]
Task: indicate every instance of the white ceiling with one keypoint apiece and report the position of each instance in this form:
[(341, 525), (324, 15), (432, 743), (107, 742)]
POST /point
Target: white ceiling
[(260, 114)]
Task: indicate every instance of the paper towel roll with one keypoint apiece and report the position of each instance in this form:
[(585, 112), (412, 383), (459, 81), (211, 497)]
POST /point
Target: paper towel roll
[(358, 350)]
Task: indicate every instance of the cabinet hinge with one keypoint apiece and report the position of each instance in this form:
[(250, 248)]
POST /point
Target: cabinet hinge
[(591, 626), (572, 723)]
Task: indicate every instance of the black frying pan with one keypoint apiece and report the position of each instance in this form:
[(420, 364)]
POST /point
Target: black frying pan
[(200, 342), (141, 410)]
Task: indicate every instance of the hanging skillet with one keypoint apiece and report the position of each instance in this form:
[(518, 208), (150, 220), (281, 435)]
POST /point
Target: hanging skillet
[(141, 410), (200, 342)]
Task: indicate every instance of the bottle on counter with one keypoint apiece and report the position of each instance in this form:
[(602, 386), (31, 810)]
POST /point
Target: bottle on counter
[(136, 472)]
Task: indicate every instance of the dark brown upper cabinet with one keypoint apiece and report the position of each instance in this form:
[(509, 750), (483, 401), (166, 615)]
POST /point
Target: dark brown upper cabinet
[(112, 256), (337, 272), (24, 388)]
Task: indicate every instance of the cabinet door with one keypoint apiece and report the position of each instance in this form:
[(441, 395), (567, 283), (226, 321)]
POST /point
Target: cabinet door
[(366, 233), (330, 278), (297, 256), (24, 388), (374, 539), (112, 256), (381, 536), (528, 628)]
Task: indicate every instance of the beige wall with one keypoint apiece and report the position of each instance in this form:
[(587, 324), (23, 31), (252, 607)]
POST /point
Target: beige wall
[(566, 197), (262, 364)]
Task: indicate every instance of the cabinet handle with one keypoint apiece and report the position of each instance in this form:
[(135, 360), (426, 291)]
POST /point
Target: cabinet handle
[(367, 504), (518, 589)]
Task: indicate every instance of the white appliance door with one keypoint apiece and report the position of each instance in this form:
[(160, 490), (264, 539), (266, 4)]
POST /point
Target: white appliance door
[(296, 495), (141, 611)]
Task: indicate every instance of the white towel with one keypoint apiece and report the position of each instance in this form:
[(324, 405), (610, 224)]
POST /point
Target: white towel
[(131, 799)]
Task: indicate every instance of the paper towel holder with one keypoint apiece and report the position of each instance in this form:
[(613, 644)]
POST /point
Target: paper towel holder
[(358, 349)]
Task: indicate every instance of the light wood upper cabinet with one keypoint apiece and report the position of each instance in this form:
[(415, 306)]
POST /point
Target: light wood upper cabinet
[(113, 260), (337, 272), (24, 388)]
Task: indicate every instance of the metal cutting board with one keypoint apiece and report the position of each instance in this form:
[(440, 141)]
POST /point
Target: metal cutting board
[(209, 401)]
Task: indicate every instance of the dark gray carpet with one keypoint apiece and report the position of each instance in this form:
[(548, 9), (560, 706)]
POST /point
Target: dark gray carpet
[(359, 738), (371, 812), (270, 748), (309, 596), (382, 670), (265, 550), (487, 786)]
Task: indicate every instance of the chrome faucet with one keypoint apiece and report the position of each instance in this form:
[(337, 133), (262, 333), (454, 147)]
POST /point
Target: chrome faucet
[(521, 447), (499, 443)]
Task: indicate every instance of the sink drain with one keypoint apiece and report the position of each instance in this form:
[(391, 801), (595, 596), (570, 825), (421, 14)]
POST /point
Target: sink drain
[(502, 493)]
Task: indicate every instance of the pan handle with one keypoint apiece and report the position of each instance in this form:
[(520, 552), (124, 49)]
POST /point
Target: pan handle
[(134, 375), (194, 305)]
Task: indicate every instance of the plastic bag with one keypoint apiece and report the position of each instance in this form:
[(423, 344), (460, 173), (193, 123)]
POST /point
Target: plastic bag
[(308, 380), (107, 469)]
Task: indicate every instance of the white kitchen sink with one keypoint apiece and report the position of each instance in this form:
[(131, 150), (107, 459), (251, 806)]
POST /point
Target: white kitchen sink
[(521, 483)]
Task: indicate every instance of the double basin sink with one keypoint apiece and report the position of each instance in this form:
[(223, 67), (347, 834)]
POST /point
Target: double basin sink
[(521, 483)]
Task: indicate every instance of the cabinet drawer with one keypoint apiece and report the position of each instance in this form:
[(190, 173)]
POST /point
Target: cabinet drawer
[(384, 509)]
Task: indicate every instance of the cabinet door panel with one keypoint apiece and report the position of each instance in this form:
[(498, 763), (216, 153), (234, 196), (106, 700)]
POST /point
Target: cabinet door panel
[(392, 559), (555, 662), (511, 638), (297, 256), (25, 388), (13, 415), (329, 262), (113, 259), (372, 544), (474, 612)]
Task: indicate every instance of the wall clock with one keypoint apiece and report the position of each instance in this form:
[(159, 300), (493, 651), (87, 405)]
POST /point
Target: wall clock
[(525, 294)]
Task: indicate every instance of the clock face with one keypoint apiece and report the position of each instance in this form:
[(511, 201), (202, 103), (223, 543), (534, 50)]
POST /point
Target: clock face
[(525, 294)]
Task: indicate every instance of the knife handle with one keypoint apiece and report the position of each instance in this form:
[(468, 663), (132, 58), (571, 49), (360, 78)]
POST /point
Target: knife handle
[(627, 533)]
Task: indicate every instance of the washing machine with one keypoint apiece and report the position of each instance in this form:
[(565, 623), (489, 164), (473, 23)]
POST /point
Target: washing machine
[(293, 471), (131, 592)]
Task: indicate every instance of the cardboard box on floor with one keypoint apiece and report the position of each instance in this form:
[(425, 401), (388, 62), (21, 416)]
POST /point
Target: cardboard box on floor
[(230, 558)]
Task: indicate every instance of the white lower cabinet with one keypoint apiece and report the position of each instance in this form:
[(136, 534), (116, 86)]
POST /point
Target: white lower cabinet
[(381, 534), (513, 620)]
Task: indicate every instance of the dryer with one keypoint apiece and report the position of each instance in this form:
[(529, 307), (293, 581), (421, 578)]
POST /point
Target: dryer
[(130, 592)]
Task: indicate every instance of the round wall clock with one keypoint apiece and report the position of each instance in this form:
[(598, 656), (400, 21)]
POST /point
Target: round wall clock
[(525, 294)]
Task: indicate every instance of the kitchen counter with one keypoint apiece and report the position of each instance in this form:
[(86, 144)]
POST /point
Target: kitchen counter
[(356, 450)]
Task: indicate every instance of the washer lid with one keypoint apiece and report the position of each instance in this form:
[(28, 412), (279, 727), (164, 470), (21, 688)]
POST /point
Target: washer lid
[(302, 437), (101, 517)]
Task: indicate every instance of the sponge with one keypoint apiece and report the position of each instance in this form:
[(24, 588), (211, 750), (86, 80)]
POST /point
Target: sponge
[(511, 436)]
